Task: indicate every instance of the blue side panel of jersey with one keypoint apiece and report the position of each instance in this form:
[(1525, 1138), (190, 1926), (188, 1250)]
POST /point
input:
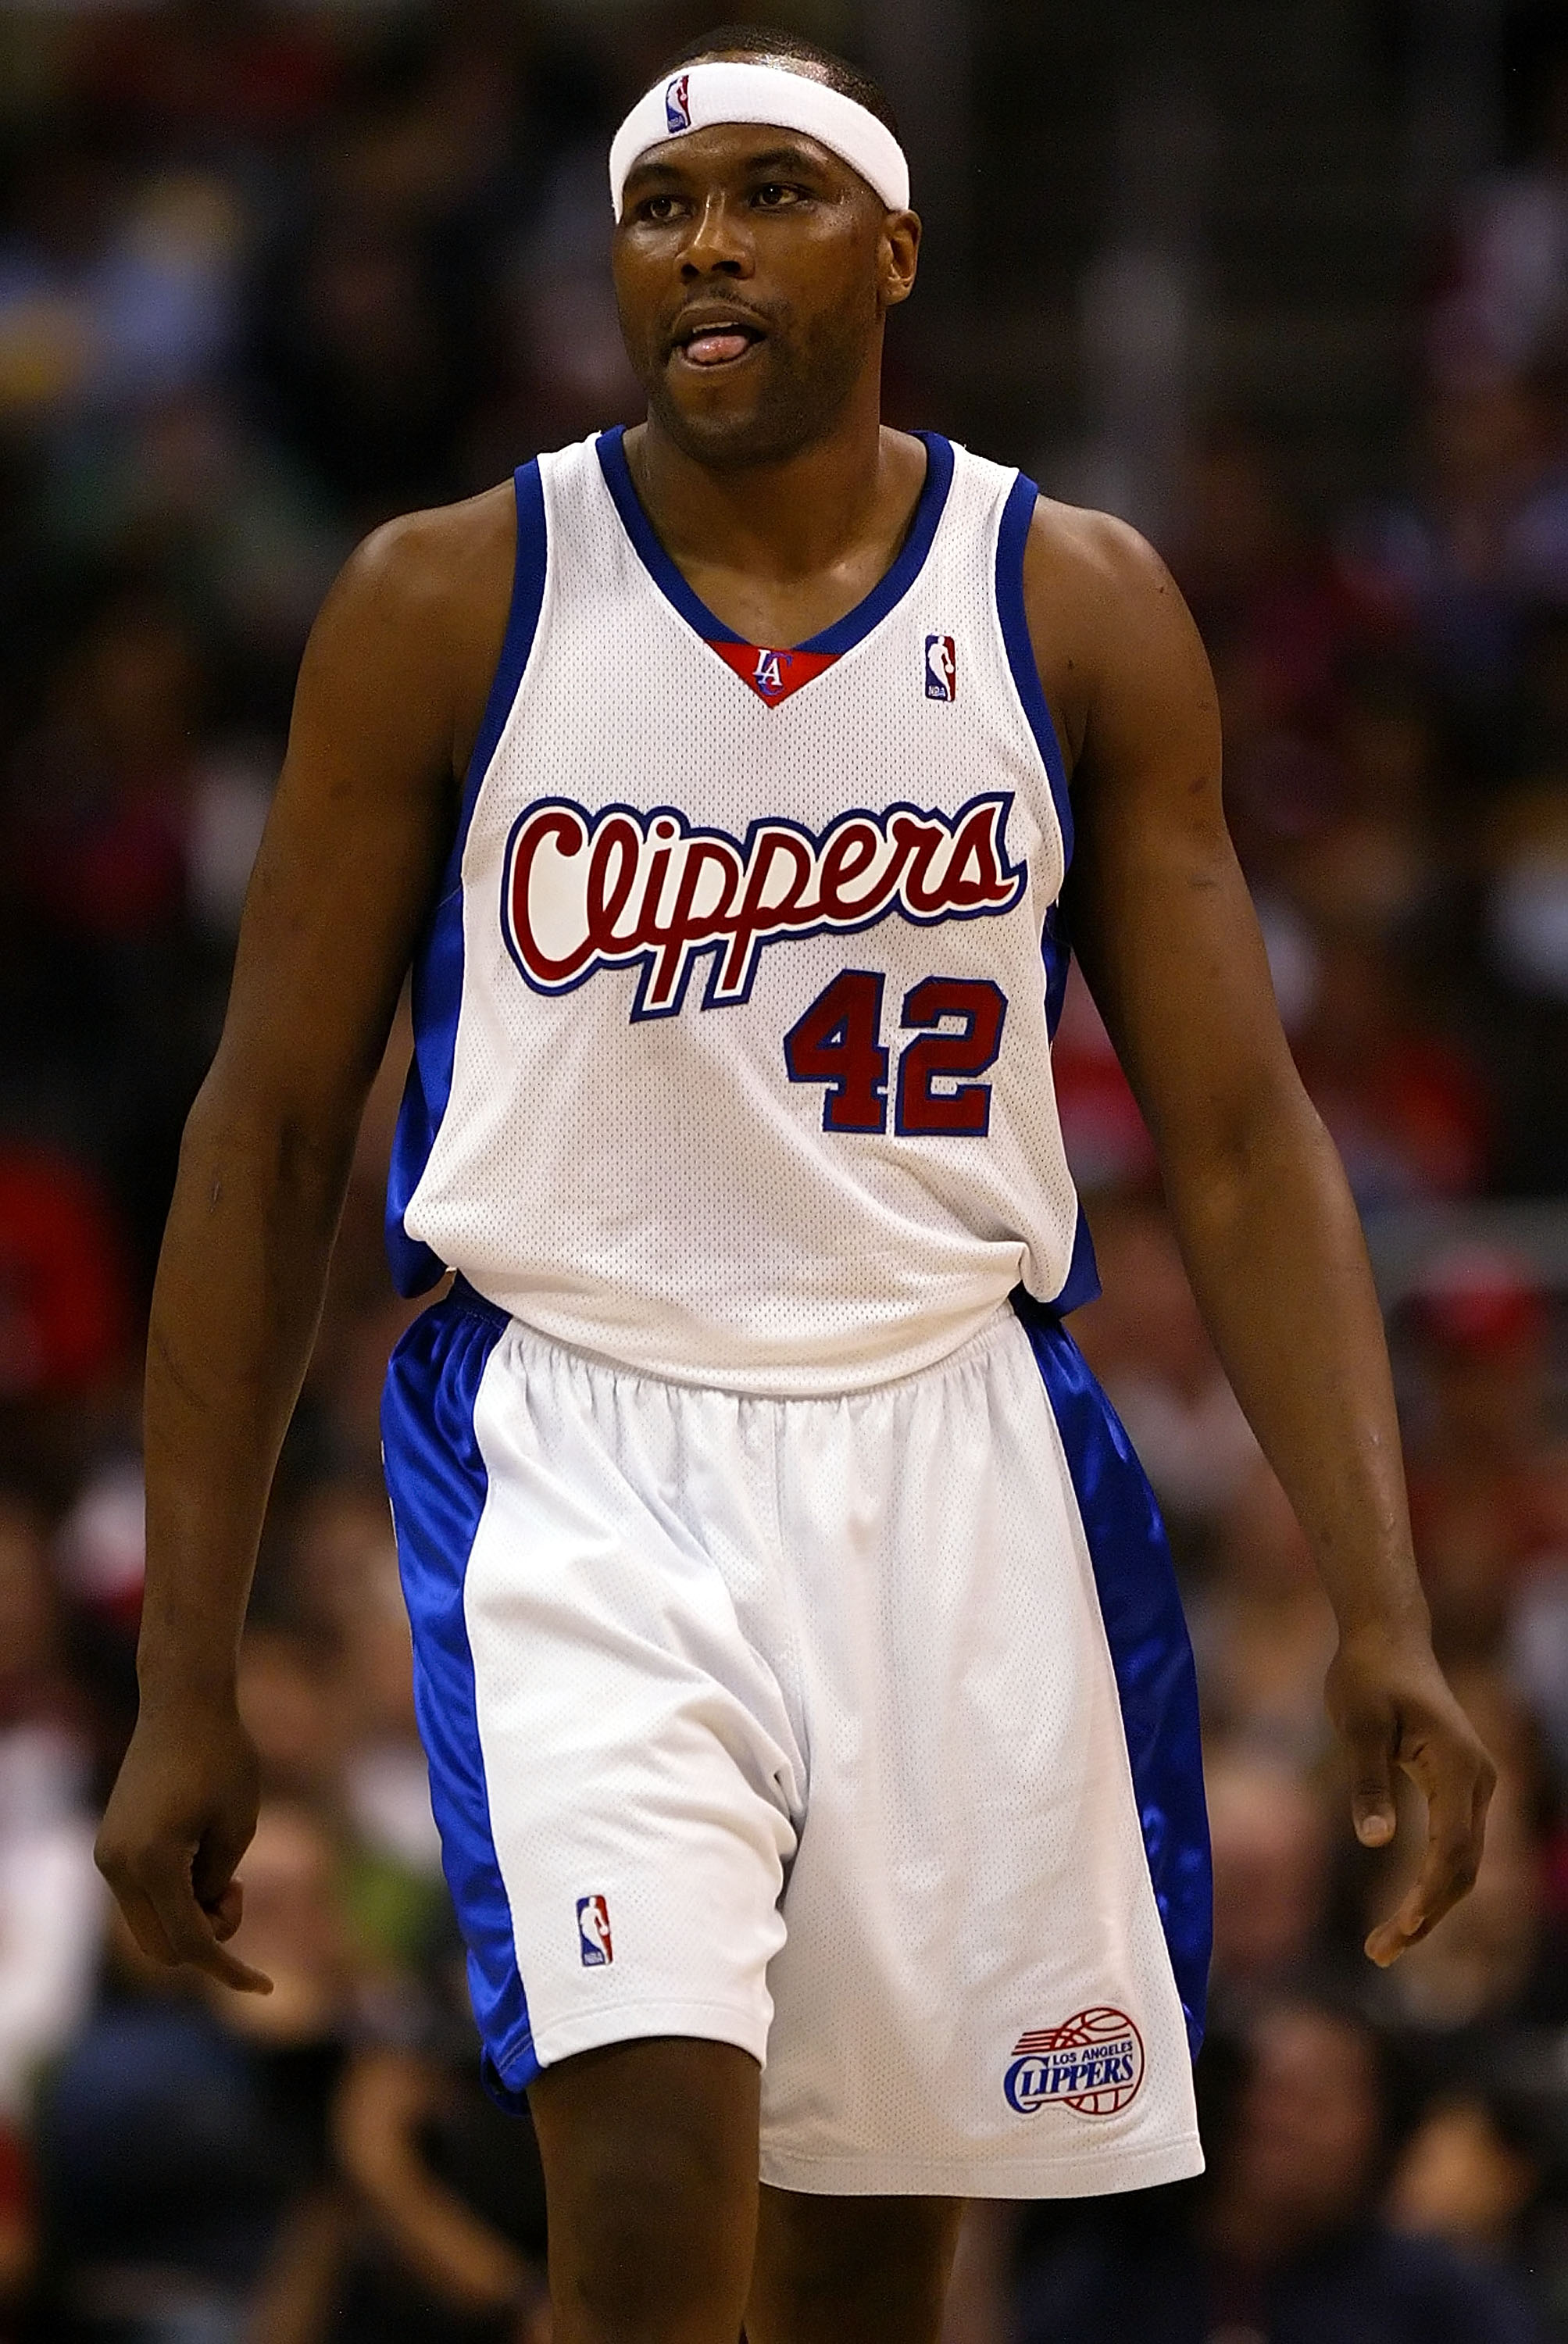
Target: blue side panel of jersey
[(1149, 1650), (438, 1484), (438, 973), (1082, 1282), (1011, 540)]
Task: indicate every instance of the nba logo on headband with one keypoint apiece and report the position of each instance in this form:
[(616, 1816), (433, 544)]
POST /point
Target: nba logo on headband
[(677, 105)]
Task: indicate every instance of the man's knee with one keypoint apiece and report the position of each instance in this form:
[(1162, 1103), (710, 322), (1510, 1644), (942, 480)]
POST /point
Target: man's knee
[(650, 2158), (851, 2271)]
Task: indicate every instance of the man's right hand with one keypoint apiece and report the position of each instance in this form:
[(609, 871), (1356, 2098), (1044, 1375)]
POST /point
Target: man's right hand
[(181, 1816)]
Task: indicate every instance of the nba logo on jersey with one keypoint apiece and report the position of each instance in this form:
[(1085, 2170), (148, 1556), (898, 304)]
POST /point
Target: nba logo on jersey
[(677, 105), (941, 668), (593, 1932)]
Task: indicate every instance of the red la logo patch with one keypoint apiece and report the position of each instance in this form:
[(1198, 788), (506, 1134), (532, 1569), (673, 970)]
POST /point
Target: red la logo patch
[(774, 675)]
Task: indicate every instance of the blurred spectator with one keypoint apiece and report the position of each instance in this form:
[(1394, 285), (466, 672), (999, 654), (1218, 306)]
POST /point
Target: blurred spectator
[(192, 492), (1528, 910), (1464, 564), (112, 289), (1278, 620), (456, 2196), (186, 2131), (1403, 1103), (17, 2243), (291, 1704), (52, 1901), (66, 1315), (344, 1567), (1488, 1474), (1463, 2179), (1522, 859), (1285, 2242), (1147, 1344), (1264, 592), (240, 76), (366, 372), (1269, 1837), (1262, 1628), (1507, 295)]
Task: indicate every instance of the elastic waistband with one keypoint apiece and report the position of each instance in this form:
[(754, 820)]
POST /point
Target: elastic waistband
[(475, 1305), (468, 1301)]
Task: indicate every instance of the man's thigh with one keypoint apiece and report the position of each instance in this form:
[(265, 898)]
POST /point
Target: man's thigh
[(658, 2230), (851, 2271), (649, 2152)]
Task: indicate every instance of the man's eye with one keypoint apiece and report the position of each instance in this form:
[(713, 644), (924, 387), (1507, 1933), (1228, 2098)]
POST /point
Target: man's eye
[(658, 208), (774, 195)]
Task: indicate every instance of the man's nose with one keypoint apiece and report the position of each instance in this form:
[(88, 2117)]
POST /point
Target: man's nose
[(718, 242)]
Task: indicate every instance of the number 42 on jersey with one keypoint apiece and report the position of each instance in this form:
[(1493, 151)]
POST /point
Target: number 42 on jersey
[(956, 1024)]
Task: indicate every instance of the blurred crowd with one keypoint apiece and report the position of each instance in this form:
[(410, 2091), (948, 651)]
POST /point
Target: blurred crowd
[(268, 275)]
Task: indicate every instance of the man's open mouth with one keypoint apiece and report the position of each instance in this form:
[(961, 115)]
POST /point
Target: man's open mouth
[(716, 340)]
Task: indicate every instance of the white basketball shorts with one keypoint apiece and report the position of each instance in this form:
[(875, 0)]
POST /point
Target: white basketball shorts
[(859, 1731)]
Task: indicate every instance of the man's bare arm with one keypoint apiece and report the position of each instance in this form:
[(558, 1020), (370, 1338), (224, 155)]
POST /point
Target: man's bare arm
[(1160, 913), (388, 704)]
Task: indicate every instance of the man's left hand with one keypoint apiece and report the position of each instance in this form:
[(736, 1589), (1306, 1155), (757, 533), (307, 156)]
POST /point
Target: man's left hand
[(1391, 1707)]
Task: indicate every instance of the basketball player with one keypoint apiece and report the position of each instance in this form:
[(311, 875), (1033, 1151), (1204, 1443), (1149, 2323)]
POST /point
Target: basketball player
[(810, 1717)]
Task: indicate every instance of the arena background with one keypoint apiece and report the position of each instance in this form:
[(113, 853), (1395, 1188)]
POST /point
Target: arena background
[(1285, 282)]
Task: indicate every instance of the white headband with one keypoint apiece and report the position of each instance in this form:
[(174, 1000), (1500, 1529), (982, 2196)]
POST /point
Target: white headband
[(701, 96)]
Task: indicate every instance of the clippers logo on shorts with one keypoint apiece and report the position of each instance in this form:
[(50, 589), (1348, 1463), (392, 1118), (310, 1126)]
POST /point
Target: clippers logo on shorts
[(677, 105), (1092, 2063), (941, 668), (584, 892), (593, 1932)]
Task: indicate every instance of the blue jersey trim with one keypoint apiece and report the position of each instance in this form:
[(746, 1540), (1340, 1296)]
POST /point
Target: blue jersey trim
[(436, 1481), (909, 562), (843, 633), (1149, 1651), (438, 971), (1057, 956), (1081, 1284), (618, 480), (1011, 540)]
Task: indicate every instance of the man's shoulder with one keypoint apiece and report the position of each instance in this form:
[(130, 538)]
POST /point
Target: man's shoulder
[(1099, 602), (437, 558), (424, 598), (1092, 554), (427, 593)]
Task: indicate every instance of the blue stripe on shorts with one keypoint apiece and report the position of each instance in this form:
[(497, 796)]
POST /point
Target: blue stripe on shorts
[(438, 1484), (1149, 1650)]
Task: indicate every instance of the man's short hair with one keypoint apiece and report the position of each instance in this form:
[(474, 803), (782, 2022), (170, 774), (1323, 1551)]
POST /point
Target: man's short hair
[(764, 41)]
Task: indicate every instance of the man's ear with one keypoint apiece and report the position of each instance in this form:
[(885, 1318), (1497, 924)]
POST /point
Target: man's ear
[(900, 257)]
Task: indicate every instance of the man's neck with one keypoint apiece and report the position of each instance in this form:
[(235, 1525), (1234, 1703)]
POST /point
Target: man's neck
[(778, 551)]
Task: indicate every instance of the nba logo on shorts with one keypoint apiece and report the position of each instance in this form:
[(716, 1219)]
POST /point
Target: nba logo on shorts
[(593, 1932), (677, 107), (1092, 2063), (941, 668)]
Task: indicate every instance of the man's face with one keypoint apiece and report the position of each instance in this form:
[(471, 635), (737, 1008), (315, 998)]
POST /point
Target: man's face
[(752, 270)]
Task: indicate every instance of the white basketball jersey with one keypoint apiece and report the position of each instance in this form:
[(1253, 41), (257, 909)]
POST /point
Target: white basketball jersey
[(733, 1023)]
